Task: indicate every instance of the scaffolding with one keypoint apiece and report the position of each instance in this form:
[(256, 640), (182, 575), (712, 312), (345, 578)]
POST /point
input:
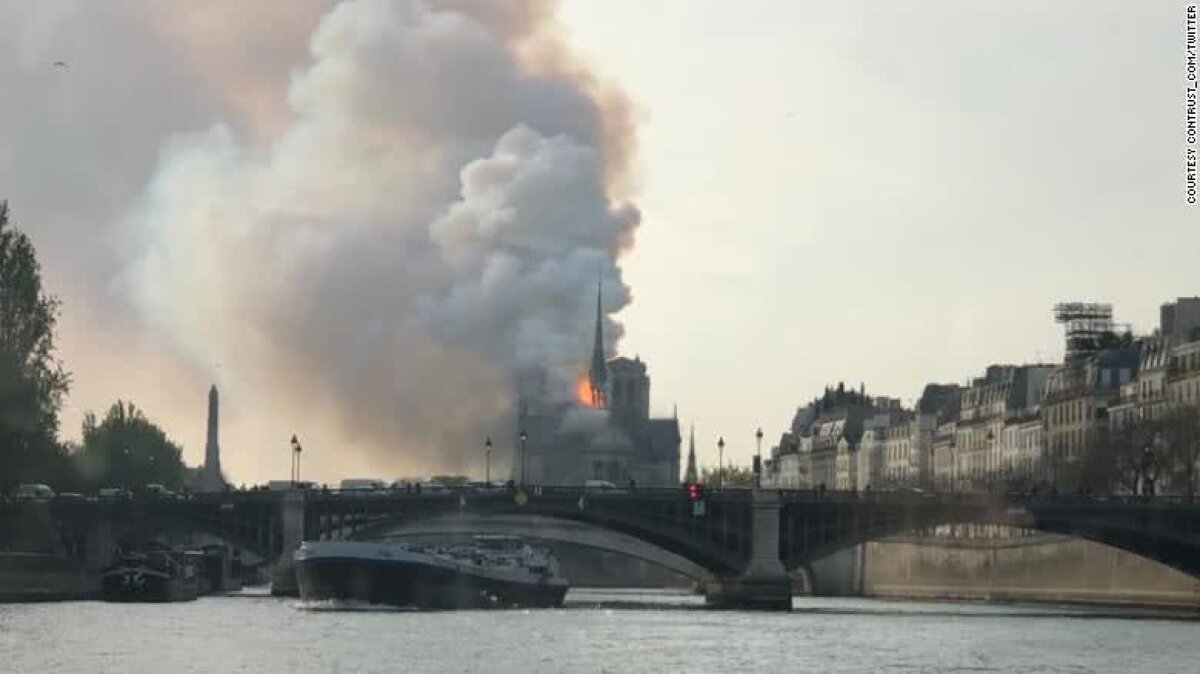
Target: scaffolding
[(1089, 327)]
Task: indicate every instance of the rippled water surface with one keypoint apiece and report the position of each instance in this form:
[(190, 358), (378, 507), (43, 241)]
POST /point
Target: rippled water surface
[(596, 632)]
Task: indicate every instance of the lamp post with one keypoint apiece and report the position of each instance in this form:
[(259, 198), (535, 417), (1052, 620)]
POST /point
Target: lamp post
[(758, 458), (1148, 466), (296, 449), (126, 466), (721, 463), (487, 461), (524, 437)]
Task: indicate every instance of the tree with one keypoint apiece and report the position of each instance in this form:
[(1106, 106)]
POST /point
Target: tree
[(1134, 458), (1181, 438), (32, 381), (127, 449), (730, 476), (1108, 464)]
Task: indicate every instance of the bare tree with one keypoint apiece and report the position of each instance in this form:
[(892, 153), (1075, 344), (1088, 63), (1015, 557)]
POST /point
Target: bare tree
[(1181, 437), (1112, 462)]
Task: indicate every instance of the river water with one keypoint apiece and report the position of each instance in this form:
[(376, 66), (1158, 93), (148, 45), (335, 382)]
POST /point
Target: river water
[(597, 631)]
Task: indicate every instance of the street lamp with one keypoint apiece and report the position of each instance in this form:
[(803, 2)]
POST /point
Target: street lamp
[(296, 449), (487, 461), (126, 461), (721, 463), (758, 458), (524, 437), (1148, 466)]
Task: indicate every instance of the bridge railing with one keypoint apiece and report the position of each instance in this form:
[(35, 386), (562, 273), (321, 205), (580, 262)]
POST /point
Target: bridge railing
[(532, 491), (656, 493)]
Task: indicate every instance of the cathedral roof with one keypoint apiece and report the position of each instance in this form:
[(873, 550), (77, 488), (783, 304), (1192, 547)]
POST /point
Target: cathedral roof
[(659, 436)]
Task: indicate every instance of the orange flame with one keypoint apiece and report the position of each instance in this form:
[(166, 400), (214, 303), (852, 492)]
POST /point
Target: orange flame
[(583, 393)]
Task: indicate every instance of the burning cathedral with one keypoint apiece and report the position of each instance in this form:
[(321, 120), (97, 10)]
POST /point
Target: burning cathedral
[(604, 433)]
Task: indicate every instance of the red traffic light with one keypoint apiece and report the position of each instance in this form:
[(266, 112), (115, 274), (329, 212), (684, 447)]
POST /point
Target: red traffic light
[(695, 492)]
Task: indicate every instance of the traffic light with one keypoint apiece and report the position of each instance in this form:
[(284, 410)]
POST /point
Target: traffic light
[(695, 494)]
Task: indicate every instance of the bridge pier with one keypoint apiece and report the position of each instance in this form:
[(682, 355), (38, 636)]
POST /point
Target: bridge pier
[(98, 546), (283, 573), (764, 585)]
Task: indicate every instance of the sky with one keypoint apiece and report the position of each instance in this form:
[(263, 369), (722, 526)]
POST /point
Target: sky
[(888, 193), (879, 193)]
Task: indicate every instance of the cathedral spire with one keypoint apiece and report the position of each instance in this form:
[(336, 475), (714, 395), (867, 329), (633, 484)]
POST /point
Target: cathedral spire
[(598, 374), (689, 476)]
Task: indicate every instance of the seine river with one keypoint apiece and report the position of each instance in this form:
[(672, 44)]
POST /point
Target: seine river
[(595, 632)]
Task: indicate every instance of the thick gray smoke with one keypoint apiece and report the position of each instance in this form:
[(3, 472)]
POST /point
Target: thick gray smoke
[(430, 218)]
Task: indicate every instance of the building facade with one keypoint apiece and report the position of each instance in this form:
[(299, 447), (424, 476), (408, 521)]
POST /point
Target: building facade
[(1016, 427)]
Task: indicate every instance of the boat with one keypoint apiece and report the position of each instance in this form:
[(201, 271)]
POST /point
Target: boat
[(490, 572), (158, 575)]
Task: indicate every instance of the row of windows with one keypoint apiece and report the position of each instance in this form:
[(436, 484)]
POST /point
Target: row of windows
[(1069, 413), (1187, 361), (1188, 391), (1067, 441)]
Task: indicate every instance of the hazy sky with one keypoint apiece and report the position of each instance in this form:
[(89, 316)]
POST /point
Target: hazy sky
[(889, 193)]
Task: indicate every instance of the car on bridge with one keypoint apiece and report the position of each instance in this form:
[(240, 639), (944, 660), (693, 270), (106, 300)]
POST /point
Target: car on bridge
[(155, 490), (364, 486), (289, 485), (33, 492), (113, 494), (602, 487)]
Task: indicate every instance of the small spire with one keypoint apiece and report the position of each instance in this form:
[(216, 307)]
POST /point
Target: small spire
[(689, 475)]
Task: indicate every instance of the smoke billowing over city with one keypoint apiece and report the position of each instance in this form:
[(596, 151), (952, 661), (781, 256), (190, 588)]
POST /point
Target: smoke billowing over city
[(425, 213), (692, 335)]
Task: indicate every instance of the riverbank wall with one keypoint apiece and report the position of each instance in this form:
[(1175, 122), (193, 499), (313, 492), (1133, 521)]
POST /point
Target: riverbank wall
[(1042, 569), (31, 577)]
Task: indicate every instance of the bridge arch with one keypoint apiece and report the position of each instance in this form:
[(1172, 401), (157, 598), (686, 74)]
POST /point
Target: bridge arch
[(537, 527), (94, 537), (261, 546), (641, 522), (1153, 538)]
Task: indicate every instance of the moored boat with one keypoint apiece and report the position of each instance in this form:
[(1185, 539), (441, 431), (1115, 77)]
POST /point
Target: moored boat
[(153, 576), (493, 572)]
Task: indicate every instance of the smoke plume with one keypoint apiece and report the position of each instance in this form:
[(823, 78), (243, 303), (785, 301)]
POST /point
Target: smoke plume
[(373, 265)]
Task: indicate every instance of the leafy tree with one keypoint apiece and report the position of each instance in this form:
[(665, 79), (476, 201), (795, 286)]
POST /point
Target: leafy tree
[(32, 381), (729, 476), (127, 449)]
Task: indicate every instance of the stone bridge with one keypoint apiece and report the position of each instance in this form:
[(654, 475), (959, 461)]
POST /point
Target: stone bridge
[(742, 545)]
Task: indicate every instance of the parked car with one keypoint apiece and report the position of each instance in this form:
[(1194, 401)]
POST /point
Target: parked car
[(155, 490), (33, 492), (113, 494)]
